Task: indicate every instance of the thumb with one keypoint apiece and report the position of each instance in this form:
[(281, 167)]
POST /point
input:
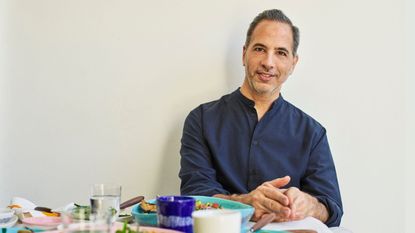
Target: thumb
[(280, 182)]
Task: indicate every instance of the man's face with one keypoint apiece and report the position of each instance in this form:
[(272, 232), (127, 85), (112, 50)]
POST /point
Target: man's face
[(268, 59)]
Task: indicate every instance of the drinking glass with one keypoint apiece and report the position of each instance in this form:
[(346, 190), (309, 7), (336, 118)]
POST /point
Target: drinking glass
[(175, 212), (105, 201), (75, 220)]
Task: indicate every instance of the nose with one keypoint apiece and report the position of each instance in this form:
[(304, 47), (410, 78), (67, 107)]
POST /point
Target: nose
[(268, 61)]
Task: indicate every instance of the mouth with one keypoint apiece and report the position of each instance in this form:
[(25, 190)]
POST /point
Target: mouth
[(264, 76)]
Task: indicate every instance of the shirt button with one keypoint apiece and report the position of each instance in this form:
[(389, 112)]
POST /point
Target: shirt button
[(255, 142)]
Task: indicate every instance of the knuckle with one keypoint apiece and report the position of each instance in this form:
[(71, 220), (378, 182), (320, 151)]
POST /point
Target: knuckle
[(255, 197)]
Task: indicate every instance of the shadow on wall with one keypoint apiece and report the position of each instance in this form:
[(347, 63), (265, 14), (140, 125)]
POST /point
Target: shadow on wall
[(234, 67), (169, 182)]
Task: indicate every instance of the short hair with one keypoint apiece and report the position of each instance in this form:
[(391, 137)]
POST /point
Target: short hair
[(274, 15)]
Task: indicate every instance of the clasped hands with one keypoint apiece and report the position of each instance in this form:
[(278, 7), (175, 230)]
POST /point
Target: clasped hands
[(288, 204)]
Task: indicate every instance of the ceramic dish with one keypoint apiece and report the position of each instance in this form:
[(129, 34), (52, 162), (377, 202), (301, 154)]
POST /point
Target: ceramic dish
[(150, 219), (158, 230), (12, 221), (6, 215), (42, 222)]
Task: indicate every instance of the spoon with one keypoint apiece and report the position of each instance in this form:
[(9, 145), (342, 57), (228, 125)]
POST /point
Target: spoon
[(265, 219)]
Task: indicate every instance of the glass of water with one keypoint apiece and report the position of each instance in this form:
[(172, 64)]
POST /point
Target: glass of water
[(105, 202)]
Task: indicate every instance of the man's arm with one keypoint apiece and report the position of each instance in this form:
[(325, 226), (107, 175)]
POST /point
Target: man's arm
[(320, 180), (198, 177)]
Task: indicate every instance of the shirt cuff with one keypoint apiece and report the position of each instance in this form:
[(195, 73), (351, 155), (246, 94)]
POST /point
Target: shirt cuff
[(335, 211)]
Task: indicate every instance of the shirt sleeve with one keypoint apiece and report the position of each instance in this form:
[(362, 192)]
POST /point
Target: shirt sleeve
[(197, 175), (320, 179)]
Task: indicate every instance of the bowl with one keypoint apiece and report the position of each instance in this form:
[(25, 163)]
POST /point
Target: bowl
[(150, 219)]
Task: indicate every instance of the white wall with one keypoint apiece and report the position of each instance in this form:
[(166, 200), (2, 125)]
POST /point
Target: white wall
[(97, 91), (410, 114), (2, 96)]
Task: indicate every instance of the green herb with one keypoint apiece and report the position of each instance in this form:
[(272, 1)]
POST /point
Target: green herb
[(126, 229)]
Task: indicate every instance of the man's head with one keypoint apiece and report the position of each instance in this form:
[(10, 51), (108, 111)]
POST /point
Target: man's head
[(278, 16), (269, 54)]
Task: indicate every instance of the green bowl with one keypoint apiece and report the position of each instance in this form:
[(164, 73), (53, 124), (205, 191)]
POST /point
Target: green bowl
[(150, 219)]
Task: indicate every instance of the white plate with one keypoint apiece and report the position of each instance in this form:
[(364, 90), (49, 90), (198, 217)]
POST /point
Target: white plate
[(10, 223)]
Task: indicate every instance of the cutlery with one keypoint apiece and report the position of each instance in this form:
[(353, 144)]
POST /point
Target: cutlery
[(265, 219), (131, 202)]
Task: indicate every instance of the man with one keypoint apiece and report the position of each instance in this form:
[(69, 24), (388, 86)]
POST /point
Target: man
[(253, 146)]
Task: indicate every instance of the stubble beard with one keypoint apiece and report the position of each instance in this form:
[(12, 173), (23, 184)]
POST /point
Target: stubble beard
[(258, 90)]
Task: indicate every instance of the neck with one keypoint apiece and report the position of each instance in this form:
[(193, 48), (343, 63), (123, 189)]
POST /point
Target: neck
[(262, 101)]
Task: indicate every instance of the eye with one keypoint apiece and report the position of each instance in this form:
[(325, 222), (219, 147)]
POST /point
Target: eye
[(259, 49), (282, 53)]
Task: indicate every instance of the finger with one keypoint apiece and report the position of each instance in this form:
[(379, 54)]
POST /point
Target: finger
[(280, 182), (257, 215), (282, 219), (290, 193), (276, 207), (275, 194), (298, 203)]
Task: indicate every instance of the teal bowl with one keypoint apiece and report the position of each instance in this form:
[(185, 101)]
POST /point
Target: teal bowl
[(150, 219)]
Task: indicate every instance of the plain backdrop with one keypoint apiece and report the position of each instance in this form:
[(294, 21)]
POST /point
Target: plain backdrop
[(97, 91)]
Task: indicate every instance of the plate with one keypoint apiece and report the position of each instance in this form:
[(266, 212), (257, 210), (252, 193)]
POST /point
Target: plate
[(42, 222), (10, 223), (150, 219), (158, 230)]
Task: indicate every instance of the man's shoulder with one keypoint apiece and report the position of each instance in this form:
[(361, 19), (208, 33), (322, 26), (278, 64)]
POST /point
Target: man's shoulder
[(214, 105), (297, 114)]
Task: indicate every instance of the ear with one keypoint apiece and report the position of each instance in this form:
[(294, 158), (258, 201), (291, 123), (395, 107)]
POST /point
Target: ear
[(295, 60), (243, 55)]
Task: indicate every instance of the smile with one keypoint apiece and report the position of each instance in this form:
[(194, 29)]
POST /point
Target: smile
[(265, 76)]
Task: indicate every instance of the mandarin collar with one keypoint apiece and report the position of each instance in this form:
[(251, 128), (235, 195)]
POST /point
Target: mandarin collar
[(250, 103)]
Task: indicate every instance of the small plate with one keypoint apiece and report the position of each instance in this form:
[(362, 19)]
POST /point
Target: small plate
[(158, 230), (42, 222), (6, 214), (10, 223)]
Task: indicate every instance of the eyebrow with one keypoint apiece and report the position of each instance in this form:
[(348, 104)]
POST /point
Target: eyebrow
[(278, 49)]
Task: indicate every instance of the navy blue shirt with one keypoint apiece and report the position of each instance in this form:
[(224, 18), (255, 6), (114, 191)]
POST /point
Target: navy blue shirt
[(226, 150)]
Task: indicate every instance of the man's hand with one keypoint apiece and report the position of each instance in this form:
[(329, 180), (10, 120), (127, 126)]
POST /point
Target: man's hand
[(266, 198), (303, 205)]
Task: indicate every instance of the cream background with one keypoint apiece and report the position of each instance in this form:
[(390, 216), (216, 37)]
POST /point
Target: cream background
[(97, 91)]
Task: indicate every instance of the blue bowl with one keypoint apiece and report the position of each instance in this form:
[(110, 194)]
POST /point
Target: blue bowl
[(150, 219)]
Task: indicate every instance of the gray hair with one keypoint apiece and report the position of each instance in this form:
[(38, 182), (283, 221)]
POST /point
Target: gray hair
[(274, 15)]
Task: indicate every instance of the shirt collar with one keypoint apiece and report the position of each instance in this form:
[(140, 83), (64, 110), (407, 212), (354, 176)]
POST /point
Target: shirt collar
[(251, 103)]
